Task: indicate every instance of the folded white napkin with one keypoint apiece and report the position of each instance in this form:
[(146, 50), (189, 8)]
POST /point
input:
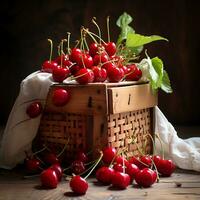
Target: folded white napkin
[(20, 132)]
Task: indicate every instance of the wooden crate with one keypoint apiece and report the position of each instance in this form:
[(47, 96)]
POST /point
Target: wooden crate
[(99, 115)]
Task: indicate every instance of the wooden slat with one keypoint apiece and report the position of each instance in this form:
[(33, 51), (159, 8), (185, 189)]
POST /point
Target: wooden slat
[(84, 99), (130, 98)]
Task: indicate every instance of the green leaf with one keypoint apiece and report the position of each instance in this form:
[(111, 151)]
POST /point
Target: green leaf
[(166, 86), (158, 66), (123, 22), (136, 50), (135, 40)]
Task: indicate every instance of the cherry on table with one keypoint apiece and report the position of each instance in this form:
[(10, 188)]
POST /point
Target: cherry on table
[(118, 167), (146, 160), (108, 154), (104, 175), (80, 155), (49, 178), (51, 158), (34, 109), (32, 164), (120, 180), (132, 170), (84, 76), (77, 167), (166, 167), (58, 169), (78, 185), (121, 160)]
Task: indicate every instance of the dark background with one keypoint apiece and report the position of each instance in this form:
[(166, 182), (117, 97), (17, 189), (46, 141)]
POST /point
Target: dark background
[(26, 25)]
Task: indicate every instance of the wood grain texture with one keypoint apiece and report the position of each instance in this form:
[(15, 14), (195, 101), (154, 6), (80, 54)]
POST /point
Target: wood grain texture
[(13, 187)]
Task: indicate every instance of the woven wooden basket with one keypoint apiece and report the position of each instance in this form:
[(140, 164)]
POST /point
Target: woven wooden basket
[(99, 115)]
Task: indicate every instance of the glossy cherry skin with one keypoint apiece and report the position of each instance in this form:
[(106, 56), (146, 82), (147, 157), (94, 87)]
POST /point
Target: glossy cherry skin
[(156, 159), (32, 164), (121, 160), (120, 180), (166, 167), (100, 74), (59, 74), (118, 60), (146, 160), (77, 167), (80, 155), (115, 74), (100, 58), (58, 169), (74, 69), (48, 66), (78, 185), (108, 154), (135, 160), (60, 97), (118, 167), (110, 48), (34, 109), (85, 61), (104, 175), (75, 55), (84, 76), (93, 49), (67, 63), (133, 73), (62, 57), (132, 170), (49, 178), (145, 177), (51, 158)]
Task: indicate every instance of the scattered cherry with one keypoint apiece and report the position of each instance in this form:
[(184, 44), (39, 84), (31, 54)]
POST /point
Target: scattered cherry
[(51, 158), (60, 97), (108, 154), (78, 185), (104, 175), (34, 109), (166, 167), (57, 168), (32, 164), (120, 180), (77, 167)]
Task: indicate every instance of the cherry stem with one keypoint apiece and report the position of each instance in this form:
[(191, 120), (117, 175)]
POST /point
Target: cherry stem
[(94, 22), (33, 100), (100, 157), (90, 34), (31, 176), (63, 149), (85, 42), (51, 49), (61, 52), (161, 145), (108, 28), (98, 37), (123, 162), (41, 150), (68, 41), (155, 170), (153, 142)]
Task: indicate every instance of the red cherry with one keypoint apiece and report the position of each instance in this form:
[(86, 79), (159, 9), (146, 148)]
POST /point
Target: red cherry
[(100, 74), (133, 73), (67, 63), (132, 170), (108, 154), (57, 168), (166, 167), (115, 74), (34, 109), (60, 74), (100, 58), (118, 60), (49, 178), (125, 69), (110, 48), (60, 97), (85, 61), (84, 76), (81, 156), (78, 185), (135, 160), (74, 69), (121, 160), (118, 167), (93, 49), (145, 177), (156, 159), (75, 55), (48, 66), (32, 164), (77, 167), (104, 175), (63, 57), (146, 160), (51, 158), (108, 65), (120, 180)]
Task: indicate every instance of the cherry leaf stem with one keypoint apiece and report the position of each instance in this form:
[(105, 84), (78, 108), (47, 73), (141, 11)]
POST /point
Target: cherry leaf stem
[(94, 22), (90, 34), (39, 151), (108, 28), (68, 42), (161, 144), (100, 157), (51, 49)]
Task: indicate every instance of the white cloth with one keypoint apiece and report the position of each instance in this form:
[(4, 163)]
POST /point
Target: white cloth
[(20, 132)]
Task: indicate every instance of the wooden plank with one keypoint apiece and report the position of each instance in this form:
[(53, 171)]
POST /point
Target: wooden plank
[(83, 99), (131, 98)]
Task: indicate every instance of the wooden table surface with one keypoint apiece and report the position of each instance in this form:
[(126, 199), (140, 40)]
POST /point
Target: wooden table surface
[(182, 185)]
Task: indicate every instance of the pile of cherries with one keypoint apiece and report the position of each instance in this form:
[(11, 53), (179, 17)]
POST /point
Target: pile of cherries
[(115, 170), (99, 61)]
